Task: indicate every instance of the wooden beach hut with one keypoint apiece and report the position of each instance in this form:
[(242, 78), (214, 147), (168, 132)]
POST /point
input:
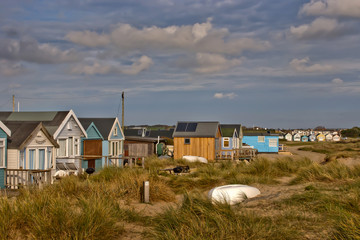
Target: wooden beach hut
[(201, 139)]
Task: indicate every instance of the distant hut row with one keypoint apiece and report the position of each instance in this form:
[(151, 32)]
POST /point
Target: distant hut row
[(297, 137)]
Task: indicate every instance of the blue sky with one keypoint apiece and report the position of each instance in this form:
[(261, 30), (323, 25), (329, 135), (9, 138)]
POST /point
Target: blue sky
[(275, 64)]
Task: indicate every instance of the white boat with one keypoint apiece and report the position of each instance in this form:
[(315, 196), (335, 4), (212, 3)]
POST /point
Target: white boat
[(232, 194), (195, 159)]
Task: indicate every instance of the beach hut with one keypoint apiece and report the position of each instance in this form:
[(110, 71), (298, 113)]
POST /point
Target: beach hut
[(288, 137), (105, 138), (63, 126), (320, 137), (297, 137), (31, 147), (304, 138), (329, 137), (336, 138), (201, 139), (312, 137), (231, 136), (264, 142)]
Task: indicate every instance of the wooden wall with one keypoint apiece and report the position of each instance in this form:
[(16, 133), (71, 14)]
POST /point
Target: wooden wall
[(202, 147), (138, 149)]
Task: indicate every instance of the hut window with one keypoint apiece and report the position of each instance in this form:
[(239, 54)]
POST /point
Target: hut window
[(115, 148), (2, 152), (261, 138), (187, 141), (272, 142), (71, 146), (62, 148), (76, 146), (226, 142), (115, 131)]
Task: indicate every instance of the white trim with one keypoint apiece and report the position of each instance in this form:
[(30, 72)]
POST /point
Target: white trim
[(3, 153), (64, 122), (67, 149), (112, 128), (223, 142), (119, 147), (37, 158), (5, 128)]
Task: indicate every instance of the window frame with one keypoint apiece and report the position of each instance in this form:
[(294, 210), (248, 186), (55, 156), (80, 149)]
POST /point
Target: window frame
[(261, 139), (273, 142), (115, 148), (226, 139), (187, 141), (65, 146), (72, 147)]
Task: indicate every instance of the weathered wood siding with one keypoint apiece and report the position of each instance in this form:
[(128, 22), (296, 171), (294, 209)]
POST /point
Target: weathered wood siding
[(202, 147), (13, 158), (139, 149), (74, 131)]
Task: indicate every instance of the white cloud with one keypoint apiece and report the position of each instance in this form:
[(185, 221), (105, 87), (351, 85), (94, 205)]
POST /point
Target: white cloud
[(320, 27), (30, 50), (337, 81), (225, 95), (208, 63), (8, 68), (200, 37), (97, 67), (346, 8), (304, 66)]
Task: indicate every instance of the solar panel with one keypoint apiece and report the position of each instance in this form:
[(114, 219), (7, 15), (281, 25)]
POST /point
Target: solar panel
[(191, 127), (181, 127)]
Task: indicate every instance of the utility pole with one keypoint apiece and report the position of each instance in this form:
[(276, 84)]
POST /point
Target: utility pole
[(13, 103), (122, 112)]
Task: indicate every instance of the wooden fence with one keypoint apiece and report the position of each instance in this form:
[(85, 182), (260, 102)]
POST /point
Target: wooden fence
[(236, 154), (18, 178), (125, 161)]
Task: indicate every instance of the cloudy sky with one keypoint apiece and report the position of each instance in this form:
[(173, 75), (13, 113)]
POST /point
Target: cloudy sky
[(276, 64)]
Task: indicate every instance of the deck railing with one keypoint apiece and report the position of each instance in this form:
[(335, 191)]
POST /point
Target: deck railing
[(126, 161), (236, 154), (18, 178)]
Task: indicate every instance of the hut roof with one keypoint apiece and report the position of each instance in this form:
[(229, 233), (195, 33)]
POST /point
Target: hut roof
[(196, 129)]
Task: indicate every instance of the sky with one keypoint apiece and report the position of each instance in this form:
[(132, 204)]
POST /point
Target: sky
[(274, 64)]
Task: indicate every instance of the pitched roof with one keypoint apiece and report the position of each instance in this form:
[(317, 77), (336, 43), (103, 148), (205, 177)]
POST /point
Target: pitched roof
[(196, 129), (51, 120), (103, 125), (23, 131), (227, 130)]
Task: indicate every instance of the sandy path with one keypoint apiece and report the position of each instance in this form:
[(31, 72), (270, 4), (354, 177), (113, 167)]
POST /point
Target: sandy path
[(316, 157)]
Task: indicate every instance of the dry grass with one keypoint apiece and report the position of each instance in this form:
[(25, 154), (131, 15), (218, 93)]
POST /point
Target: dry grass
[(92, 207)]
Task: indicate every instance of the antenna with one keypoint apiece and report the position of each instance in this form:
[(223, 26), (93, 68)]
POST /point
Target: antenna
[(13, 99)]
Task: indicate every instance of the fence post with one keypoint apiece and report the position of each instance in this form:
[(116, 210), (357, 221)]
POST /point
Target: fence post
[(146, 196), (143, 162)]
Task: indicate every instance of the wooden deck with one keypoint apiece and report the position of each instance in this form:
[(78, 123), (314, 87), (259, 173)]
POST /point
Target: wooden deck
[(18, 178), (236, 154)]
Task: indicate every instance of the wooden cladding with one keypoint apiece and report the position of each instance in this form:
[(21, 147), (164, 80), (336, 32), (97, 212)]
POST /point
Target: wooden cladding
[(202, 147), (92, 148)]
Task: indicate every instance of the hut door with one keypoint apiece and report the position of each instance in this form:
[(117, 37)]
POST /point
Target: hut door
[(91, 163), (93, 149)]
